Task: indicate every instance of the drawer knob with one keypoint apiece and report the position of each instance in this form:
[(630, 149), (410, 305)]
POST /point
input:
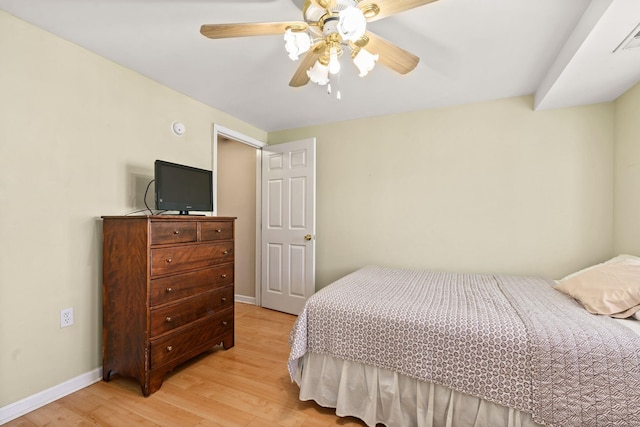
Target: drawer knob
[(169, 348), (224, 299), (169, 260), (176, 232), (169, 290), (219, 230), (168, 319), (224, 276), (225, 323), (225, 252)]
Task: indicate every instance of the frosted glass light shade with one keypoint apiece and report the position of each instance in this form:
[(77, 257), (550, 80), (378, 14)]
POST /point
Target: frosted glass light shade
[(365, 61), (352, 24), (319, 74), (296, 43)]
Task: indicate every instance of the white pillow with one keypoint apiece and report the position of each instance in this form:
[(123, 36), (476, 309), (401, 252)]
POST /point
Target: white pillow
[(612, 289)]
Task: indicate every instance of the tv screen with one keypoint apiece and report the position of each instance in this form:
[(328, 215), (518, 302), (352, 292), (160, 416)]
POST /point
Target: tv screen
[(183, 188)]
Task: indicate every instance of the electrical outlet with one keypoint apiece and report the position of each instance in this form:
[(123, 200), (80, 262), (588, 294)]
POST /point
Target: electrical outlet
[(66, 317)]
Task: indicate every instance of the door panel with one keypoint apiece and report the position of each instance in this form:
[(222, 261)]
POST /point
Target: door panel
[(275, 205), (274, 268)]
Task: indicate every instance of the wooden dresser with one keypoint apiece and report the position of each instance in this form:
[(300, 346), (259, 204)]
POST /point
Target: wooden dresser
[(167, 293)]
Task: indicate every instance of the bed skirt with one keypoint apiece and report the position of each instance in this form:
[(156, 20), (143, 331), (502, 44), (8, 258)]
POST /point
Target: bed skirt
[(382, 396)]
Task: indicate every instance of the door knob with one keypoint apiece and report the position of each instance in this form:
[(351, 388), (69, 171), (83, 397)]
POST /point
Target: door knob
[(308, 237)]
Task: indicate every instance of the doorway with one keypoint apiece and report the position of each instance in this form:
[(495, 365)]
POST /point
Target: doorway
[(236, 159)]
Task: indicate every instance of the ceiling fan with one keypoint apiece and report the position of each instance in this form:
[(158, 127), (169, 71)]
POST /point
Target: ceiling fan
[(330, 28)]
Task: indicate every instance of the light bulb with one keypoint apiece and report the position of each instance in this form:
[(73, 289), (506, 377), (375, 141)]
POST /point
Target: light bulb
[(334, 63)]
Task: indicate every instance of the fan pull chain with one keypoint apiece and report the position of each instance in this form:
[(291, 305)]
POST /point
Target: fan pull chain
[(336, 79)]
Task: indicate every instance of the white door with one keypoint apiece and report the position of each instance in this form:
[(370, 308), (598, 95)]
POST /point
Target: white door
[(288, 225)]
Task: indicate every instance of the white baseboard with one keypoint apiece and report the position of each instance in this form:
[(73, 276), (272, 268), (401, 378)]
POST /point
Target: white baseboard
[(244, 299), (33, 402)]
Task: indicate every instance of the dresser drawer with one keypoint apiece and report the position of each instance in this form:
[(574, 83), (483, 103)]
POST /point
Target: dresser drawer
[(220, 230), (172, 288), (173, 232), (174, 346), (170, 317), (182, 258)]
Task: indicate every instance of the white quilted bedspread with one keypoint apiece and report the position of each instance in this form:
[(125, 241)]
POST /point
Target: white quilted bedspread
[(511, 340)]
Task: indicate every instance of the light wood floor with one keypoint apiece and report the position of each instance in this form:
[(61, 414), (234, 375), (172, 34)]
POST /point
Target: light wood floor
[(247, 385)]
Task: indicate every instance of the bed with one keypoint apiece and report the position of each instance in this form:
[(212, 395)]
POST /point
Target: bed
[(421, 348)]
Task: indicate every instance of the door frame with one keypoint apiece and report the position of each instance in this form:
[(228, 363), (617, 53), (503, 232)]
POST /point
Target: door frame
[(258, 145)]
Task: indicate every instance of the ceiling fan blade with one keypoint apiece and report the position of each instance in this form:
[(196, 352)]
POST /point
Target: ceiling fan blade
[(386, 8), (221, 31), (300, 77), (391, 55)]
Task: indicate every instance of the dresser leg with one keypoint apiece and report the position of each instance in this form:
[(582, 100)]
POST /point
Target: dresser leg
[(227, 342), (106, 374), (154, 384)]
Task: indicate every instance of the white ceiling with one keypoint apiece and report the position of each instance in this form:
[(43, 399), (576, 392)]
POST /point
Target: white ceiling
[(470, 51)]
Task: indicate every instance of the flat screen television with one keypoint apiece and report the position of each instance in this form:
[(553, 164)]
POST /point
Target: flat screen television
[(183, 188)]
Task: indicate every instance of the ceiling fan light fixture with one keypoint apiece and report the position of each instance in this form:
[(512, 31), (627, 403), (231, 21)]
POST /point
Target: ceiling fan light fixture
[(319, 73), (364, 60), (352, 24), (296, 43), (327, 29)]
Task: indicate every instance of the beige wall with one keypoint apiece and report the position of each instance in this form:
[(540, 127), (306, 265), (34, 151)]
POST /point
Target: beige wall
[(78, 139), (237, 197), (488, 187), (627, 173)]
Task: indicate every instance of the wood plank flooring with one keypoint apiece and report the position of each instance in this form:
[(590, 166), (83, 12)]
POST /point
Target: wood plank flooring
[(247, 385)]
